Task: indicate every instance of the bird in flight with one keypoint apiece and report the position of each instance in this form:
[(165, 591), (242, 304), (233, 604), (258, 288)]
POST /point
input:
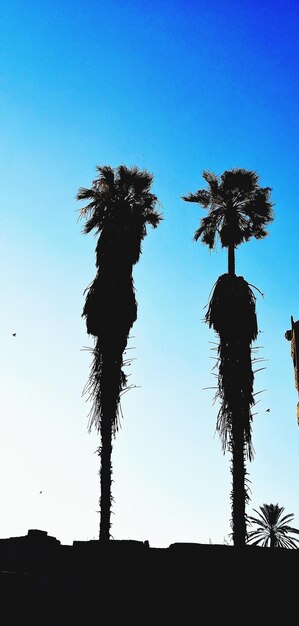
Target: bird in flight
[(267, 410), (14, 334)]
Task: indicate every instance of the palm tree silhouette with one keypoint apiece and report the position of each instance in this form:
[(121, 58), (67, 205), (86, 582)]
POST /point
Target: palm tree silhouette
[(272, 530), (121, 205), (238, 209)]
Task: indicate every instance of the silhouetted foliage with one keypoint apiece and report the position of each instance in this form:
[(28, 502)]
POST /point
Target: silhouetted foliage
[(121, 205), (272, 530), (238, 210)]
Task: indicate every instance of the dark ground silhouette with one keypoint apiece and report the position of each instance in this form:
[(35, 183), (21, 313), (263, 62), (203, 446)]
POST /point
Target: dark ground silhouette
[(44, 582)]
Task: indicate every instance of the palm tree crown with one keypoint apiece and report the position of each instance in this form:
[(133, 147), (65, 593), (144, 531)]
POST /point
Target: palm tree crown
[(239, 208), (121, 206), (271, 528)]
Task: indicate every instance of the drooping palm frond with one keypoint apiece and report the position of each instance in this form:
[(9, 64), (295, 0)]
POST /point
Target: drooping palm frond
[(231, 308), (231, 313), (110, 310), (272, 529), (104, 389)]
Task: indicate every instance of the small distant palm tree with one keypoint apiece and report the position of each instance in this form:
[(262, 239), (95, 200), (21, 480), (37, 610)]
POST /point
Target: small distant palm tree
[(121, 205), (272, 530), (238, 209)]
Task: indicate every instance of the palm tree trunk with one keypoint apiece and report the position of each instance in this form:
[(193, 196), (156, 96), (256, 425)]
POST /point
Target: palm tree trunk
[(239, 494), (272, 539), (231, 260), (105, 452), (110, 389)]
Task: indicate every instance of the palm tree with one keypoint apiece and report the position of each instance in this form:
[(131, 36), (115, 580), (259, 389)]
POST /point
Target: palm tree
[(272, 529), (121, 205), (238, 209)]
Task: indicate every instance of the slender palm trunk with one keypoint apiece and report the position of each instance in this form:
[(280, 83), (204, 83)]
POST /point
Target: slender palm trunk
[(105, 453), (109, 396), (239, 494), (231, 260), (111, 383), (235, 364)]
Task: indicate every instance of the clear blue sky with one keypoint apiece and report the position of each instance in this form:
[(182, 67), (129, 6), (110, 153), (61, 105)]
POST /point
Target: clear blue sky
[(174, 87)]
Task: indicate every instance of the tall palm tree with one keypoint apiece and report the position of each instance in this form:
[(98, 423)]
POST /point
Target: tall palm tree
[(121, 204), (238, 209), (272, 530)]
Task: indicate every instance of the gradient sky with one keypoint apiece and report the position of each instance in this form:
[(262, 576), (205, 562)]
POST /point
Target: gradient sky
[(175, 87)]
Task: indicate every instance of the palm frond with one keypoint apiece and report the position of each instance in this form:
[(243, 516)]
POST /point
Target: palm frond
[(202, 197), (212, 181), (85, 194)]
